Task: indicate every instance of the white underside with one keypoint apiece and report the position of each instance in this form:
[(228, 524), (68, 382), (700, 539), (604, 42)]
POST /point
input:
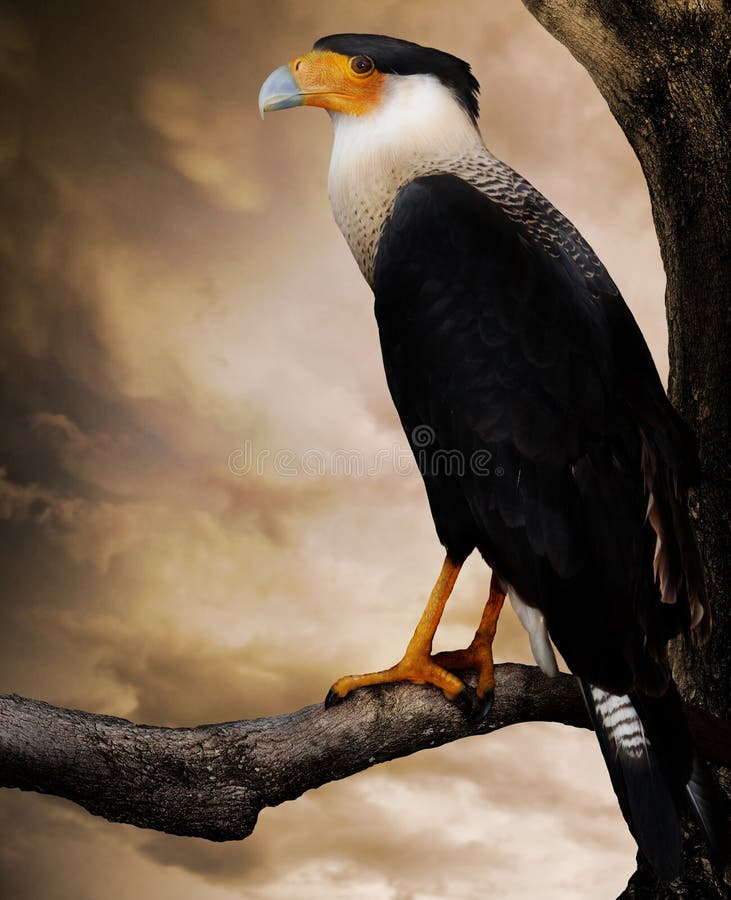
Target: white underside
[(417, 123), (535, 624)]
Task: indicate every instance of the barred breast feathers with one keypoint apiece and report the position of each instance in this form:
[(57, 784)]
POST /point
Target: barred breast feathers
[(374, 156)]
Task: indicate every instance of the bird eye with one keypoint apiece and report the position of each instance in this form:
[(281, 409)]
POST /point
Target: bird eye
[(361, 65)]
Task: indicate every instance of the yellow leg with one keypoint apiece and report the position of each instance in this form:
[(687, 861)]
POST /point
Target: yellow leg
[(416, 665), (478, 656)]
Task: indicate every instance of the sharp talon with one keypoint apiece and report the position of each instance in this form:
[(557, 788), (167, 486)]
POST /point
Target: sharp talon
[(333, 698), (482, 708), (465, 702)]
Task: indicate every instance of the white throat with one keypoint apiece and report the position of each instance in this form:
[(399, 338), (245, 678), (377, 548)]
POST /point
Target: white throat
[(418, 128)]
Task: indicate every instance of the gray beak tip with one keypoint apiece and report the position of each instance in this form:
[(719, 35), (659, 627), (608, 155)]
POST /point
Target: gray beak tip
[(279, 91)]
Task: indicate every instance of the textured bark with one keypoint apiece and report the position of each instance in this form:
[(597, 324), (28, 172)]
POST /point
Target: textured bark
[(662, 66), (213, 780)]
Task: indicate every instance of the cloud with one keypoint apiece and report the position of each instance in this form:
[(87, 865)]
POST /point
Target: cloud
[(17, 59), (206, 143), (53, 849), (173, 679), (173, 286), (429, 825)]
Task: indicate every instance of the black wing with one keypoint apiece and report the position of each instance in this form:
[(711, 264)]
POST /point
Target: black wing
[(501, 348), (495, 343)]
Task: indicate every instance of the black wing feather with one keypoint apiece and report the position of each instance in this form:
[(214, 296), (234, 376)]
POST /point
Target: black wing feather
[(500, 347), (505, 346), (648, 804)]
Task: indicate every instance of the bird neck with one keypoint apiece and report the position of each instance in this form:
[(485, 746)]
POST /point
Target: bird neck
[(419, 128)]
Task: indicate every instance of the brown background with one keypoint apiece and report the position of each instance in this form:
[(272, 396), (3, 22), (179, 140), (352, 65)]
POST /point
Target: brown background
[(174, 291)]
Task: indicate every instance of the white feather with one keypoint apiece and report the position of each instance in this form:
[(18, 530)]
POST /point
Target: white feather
[(620, 720), (535, 624), (418, 127)]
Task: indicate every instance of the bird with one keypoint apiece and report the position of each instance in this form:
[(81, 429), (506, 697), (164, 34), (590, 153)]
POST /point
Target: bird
[(532, 405)]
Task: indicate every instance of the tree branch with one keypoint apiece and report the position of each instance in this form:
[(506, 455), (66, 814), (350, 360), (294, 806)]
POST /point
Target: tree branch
[(212, 781)]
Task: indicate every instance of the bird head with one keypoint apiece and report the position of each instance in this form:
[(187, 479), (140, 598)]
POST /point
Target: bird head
[(357, 75), (396, 108)]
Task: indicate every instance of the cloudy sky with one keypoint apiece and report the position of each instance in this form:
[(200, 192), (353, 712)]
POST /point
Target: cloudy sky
[(178, 308)]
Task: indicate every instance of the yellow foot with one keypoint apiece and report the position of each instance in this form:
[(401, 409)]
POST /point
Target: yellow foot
[(478, 656), (419, 670), (420, 667), (475, 658)]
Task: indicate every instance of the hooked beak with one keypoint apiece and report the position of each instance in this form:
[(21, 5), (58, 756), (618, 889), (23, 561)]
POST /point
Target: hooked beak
[(280, 91), (325, 79)]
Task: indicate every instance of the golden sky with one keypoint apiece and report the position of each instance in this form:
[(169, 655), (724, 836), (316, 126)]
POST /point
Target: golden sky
[(176, 300)]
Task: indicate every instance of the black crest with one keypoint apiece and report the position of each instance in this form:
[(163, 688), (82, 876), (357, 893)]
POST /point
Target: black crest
[(397, 57)]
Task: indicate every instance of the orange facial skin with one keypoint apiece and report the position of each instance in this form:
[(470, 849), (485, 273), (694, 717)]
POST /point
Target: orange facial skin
[(328, 80)]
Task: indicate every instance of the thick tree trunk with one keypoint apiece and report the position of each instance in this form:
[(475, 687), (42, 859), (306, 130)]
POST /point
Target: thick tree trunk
[(662, 67)]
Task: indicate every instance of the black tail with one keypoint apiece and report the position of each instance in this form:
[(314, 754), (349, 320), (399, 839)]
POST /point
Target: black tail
[(655, 772)]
